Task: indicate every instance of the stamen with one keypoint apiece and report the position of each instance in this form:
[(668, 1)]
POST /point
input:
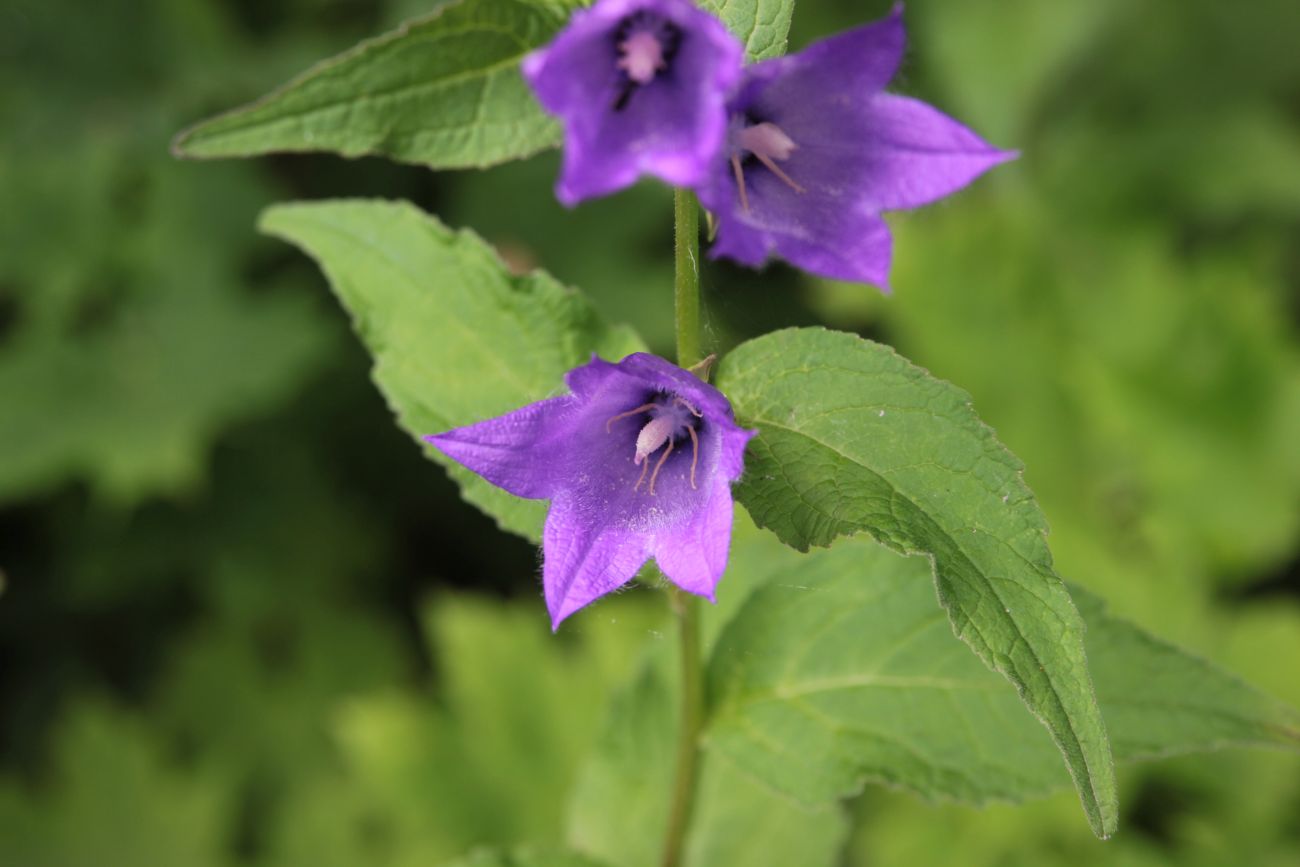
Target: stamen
[(768, 143), (740, 181), (767, 139), (695, 454), (640, 409), (767, 161), (677, 401), (668, 451), (645, 465)]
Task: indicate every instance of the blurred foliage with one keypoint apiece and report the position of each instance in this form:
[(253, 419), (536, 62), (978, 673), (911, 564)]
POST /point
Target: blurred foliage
[(217, 551)]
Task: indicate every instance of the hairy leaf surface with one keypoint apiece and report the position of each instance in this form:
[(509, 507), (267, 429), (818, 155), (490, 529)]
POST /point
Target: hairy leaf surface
[(841, 670), (455, 337), (855, 439), (443, 90)]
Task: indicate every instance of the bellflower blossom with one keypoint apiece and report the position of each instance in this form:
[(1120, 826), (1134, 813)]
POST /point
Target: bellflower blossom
[(637, 462), (641, 87), (816, 150)]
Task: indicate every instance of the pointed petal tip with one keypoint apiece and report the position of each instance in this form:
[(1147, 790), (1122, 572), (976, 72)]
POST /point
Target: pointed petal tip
[(531, 66), (566, 196)]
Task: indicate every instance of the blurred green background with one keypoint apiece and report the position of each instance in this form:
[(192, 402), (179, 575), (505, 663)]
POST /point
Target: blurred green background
[(243, 622)]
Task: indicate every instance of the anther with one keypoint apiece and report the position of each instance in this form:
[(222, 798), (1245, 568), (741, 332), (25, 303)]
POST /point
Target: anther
[(695, 454), (740, 181), (768, 143)]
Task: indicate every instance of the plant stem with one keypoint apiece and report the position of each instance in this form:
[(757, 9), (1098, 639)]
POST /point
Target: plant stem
[(686, 295), (686, 607), (686, 285)]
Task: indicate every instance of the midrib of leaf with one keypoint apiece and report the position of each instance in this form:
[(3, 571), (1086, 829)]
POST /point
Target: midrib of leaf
[(330, 91), (1060, 705), (485, 72)]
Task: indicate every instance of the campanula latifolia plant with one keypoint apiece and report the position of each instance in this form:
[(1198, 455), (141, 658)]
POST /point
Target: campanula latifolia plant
[(933, 646)]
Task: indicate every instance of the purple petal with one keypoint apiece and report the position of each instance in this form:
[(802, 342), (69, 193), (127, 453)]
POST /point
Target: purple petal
[(818, 85), (615, 500), (916, 154), (583, 558), (844, 242), (516, 451), (694, 556)]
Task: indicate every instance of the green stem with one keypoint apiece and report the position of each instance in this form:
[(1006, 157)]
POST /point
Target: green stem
[(686, 286), (685, 606)]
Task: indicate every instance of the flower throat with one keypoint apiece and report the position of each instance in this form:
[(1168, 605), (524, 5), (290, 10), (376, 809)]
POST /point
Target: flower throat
[(646, 45), (669, 419)]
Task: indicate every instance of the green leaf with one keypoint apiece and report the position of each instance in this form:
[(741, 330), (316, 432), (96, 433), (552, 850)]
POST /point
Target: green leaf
[(524, 858), (762, 25), (455, 337), (1160, 700), (840, 670), (855, 439), (443, 90), (620, 809)]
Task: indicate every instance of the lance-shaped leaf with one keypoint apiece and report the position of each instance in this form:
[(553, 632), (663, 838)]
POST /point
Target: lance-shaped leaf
[(855, 439), (455, 337), (443, 90), (841, 669)]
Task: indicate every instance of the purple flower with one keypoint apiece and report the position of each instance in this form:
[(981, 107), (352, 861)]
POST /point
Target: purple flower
[(637, 462), (816, 150), (641, 86)]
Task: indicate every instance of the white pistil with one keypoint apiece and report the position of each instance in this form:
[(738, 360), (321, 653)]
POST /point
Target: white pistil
[(767, 140), (641, 55), (768, 143)]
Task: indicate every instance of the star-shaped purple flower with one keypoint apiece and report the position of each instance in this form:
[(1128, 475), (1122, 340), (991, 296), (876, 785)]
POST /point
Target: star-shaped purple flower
[(641, 86), (816, 150), (637, 462)]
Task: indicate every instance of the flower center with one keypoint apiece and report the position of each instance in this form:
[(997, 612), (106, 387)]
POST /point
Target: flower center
[(646, 45), (641, 55), (669, 419), (768, 143)]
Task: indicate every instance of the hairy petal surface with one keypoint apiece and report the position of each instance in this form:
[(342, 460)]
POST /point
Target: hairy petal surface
[(515, 451)]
